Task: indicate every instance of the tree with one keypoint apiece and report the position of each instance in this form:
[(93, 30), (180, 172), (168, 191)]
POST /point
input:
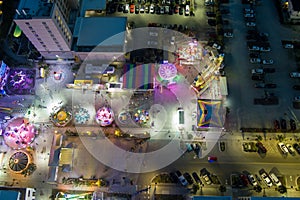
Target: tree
[(195, 188), (257, 188), (222, 188), (282, 189)]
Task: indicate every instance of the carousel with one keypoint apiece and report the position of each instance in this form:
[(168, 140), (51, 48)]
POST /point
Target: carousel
[(81, 115), (19, 161), (61, 117), (104, 116), (19, 133)]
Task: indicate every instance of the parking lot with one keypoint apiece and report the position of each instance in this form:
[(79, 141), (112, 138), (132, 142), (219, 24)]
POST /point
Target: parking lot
[(240, 62)]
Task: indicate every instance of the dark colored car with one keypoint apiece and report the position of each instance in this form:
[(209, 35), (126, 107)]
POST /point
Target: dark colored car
[(283, 124), (181, 10), (296, 87), (254, 32), (196, 178), (297, 147), (269, 70), (120, 8), (212, 22), (254, 55), (224, 11), (244, 179), (258, 77), (174, 177), (188, 177), (293, 125), (276, 124), (263, 85), (178, 173), (261, 148), (210, 14)]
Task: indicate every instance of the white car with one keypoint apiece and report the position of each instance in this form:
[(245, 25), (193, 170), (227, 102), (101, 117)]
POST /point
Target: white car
[(291, 149), (252, 180), (249, 15), (283, 148), (255, 60), (267, 62), (257, 71), (151, 9), (187, 10), (295, 75), (266, 178), (265, 49), (154, 34), (254, 48), (288, 46), (275, 179), (248, 10), (251, 24), (228, 35), (216, 46)]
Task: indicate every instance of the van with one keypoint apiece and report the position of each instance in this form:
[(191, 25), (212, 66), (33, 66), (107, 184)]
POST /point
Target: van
[(42, 72), (180, 116), (275, 179)]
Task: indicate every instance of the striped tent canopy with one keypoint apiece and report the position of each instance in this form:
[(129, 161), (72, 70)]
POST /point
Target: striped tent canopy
[(138, 76), (210, 113)]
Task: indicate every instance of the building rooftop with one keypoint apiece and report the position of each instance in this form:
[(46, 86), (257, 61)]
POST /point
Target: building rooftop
[(107, 31), (34, 9), (92, 5)]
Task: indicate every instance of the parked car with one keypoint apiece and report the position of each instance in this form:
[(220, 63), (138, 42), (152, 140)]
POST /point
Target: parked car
[(228, 34), (249, 15), (265, 177), (132, 8), (293, 125), (297, 147), (275, 179), (254, 48), (216, 46), (151, 9), (296, 87), (252, 180), (257, 77), (261, 148), (269, 70), (206, 176), (126, 8), (244, 179), (212, 22), (257, 71), (173, 177), (265, 85), (197, 178), (142, 9), (297, 98), (288, 46), (222, 146), (250, 24), (265, 49), (188, 177), (267, 62), (137, 9), (153, 34), (283, 148), (283, 124), (276, 124), (255, 60), (181, 178), (210, 14), (291, 149), (295, 75)]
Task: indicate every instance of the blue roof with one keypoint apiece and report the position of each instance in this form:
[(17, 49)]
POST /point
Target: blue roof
[(212, 198), (91, 31), (9, 194)]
